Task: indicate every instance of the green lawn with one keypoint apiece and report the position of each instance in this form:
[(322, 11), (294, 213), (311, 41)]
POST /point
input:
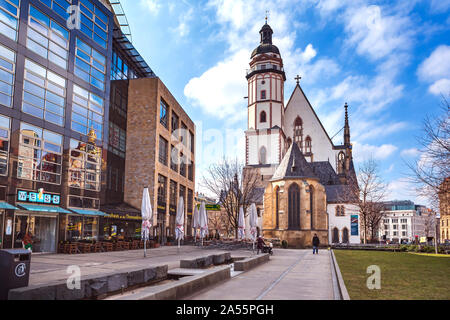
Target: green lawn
[(404, 276)]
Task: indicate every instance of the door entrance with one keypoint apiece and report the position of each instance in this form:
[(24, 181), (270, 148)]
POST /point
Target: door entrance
[(41, 230)]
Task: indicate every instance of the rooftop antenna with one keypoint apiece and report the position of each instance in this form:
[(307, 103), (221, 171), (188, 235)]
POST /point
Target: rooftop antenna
[(267, 15)]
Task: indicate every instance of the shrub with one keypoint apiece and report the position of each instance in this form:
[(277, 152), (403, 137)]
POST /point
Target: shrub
[(284, 244), (403, 248)]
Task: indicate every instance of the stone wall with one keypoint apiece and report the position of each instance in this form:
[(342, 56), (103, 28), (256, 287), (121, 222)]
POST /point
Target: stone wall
[(303, 236)]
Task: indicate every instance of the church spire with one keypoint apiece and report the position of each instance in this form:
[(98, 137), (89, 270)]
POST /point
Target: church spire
[(346, 127)]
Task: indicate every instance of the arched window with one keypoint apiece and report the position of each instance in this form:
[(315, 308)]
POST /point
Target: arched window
[(294, 207), (262, 155), (311, 205), (262, 117), (335, 238), (298, 132), (308, 144), (345, 235), (277, 207), (341, 162)]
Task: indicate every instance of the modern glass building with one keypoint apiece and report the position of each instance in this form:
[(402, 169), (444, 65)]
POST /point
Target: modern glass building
[(63, 120)]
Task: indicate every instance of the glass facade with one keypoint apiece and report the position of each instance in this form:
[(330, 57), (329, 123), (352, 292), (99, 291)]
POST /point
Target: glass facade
[(9, 18), (5, 123), (7, 75), (85, 165), (59, 6), (90, 65), (44, 93), (47, 38), (87, 112), (40, 155), (94, 23)]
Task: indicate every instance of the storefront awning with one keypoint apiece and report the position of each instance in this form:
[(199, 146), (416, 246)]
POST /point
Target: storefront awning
[(40, 208), (4, 205), (89, 212)]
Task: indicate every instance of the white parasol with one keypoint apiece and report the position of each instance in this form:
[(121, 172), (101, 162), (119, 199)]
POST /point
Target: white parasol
[(147, 216), (195, 222), (253, 223), (179, 230), (203, 221), (241, 224)]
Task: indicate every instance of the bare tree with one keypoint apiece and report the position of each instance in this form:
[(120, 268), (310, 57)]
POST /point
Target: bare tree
[(433, 166), (225, 180), (371, 191)]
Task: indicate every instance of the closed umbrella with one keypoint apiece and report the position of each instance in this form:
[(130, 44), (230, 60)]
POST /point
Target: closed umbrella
[(203, 221), (147, 216), (179, 230), (195, 222), (241, 224), (253, 223)]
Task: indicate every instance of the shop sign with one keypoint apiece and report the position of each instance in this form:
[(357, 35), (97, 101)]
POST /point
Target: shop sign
[(172, 210), (8, 227), (38, 197), (210, 207), (161, 208), (124, 216)]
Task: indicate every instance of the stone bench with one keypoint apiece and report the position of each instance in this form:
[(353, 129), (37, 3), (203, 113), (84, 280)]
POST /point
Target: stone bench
[(206, 261), (91, 287), (183, 287), (249, 263)]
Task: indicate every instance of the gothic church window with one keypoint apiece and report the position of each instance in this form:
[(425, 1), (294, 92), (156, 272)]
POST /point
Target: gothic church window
[(345, 235), (263, 155), (262, 117), (341, 162), (308, 145), (298, 132), (294, 207), (311, 205), (335, 238), (277, 207)]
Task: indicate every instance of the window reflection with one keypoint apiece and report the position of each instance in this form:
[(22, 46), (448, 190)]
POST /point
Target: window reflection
[(85, 165)]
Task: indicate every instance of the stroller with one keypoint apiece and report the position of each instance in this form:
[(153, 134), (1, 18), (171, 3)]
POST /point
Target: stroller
[(268, 249)]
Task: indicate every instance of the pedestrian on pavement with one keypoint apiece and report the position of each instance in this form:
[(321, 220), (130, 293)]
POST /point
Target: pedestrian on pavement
[(260, 244), (316, 243)]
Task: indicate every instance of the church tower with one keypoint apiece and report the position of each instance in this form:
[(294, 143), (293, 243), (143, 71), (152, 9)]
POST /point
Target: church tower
[(264, 136)]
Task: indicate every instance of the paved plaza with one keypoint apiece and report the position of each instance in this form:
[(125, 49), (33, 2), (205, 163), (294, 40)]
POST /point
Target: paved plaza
[(289, 275)]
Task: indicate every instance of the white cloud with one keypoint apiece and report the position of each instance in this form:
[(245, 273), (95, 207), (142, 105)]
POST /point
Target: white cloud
[(440, 87), (309, 53), (183, 26), (151, 5), (221, 89), (377, 34), (436, 69), (413, 152), (439, 6), (363, 152)]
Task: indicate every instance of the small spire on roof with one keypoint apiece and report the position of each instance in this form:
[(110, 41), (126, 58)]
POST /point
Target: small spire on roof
[(267, 15)]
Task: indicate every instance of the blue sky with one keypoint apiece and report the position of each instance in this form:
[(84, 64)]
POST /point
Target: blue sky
[(389, 60)]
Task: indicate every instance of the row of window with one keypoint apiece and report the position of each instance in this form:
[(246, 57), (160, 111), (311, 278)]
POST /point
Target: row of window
[(173, 199), (120, 70), (177, 159), (40, 157), (44, 96), (50, 40), (395, 234), (395, 227), (396, 220), (185, 136)]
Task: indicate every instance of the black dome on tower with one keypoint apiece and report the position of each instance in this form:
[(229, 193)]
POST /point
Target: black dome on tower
[(265, 45)]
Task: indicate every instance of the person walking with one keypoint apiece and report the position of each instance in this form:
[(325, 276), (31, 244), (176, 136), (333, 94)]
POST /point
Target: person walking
[(316, 243), (260, 244)]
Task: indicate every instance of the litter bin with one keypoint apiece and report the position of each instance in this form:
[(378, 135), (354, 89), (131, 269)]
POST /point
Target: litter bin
[(14, 270)]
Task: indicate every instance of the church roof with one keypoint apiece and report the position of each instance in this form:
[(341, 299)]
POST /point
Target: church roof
[(325, 172), (294, 165), (340, 193), (265, 48)]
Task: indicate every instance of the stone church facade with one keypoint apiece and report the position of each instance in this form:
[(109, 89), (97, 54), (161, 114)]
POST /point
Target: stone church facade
[(303, 176)]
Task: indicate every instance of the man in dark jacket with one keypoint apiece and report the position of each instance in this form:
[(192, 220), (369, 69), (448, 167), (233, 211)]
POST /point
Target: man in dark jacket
[(316, 243)]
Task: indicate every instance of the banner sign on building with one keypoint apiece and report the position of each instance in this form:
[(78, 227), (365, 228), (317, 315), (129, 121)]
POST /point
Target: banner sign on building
[(38, 197), (210, 207), (354, 225)]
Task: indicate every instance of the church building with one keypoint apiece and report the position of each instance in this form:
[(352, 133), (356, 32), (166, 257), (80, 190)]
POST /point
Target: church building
[(305, 180)]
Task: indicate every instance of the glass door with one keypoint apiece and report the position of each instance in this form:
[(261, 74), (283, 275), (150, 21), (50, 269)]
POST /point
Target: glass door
[(2, 222), (41, 230)]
